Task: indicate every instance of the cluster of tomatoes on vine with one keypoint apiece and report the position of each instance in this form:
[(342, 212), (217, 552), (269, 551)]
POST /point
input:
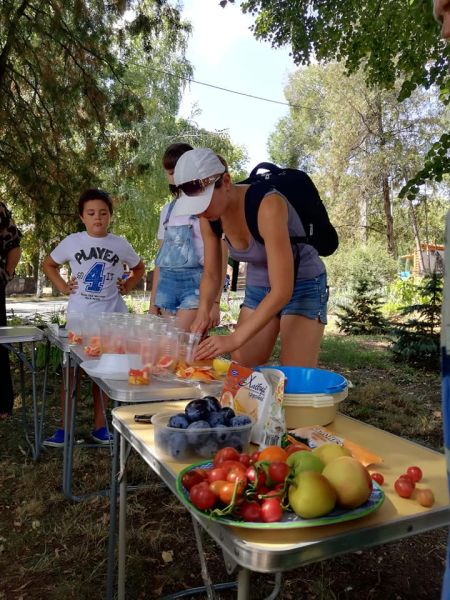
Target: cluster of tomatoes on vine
[(249, 486)]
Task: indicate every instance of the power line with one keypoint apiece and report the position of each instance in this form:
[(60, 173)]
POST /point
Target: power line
[(217, 87)]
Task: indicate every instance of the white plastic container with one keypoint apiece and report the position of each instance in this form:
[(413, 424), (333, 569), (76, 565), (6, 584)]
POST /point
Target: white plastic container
[(303, 410)]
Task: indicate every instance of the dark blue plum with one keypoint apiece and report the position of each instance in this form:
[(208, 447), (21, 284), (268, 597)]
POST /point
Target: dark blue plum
[(228, 413), (197, 410), (240, 420), (194, 432), (221, 434), (235, 441), (217, 418), (208, 448), (177, 445), (212, 403), (180, 421)]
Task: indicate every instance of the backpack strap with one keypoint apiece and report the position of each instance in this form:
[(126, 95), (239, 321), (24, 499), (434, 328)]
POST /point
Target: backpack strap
[(268, 166), (253, 199)]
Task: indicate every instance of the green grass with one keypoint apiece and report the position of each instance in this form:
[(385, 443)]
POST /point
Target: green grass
[(52, 548)]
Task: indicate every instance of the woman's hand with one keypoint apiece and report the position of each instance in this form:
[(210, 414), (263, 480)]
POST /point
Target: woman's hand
[(214, 315), (154, 310), (216, 345), (201, 322)]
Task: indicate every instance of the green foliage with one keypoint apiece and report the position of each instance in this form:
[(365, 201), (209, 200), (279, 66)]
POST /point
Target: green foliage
[(416, 340), (401, 293), (353, 262), (360, 146), (362, 314), (390, 41)]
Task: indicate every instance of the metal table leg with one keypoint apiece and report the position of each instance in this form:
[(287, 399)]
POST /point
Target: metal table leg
[(44, 392), (204, 568), (243, 584), (112, 519), (122, 519)]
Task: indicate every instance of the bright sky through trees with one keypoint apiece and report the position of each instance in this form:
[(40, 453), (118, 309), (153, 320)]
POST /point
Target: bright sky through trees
[(224, 53)]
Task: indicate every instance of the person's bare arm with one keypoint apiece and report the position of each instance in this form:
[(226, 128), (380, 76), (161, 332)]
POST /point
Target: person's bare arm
[(12, 260), (51, 269), (137, 272), (272, 224), (152, 309), (210, 285)]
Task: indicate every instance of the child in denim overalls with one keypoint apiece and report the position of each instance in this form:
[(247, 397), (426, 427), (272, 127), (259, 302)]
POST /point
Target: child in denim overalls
[(179, 262)]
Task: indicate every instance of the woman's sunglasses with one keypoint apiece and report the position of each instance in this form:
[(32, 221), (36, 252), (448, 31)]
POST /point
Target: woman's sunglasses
[(196, 187)]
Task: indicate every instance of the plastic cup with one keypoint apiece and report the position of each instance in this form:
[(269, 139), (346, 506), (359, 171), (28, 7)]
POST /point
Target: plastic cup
[(74, 328), (187, 346)]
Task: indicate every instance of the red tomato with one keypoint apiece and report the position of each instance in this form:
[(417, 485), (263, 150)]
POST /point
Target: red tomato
[(202, 472), (250, 511), (278, 471), (425, 497), (271, 510), (378, 477), (273, 454), (228, 464), (190, 479), (245, 459), (407, 478), (201, 496), (403, 487), (254, 457), (415, 473), (218, 473), (251, 474), (227, 453), (216, 486), (226, 492), (275, 493), (296, 448), (237, 474)]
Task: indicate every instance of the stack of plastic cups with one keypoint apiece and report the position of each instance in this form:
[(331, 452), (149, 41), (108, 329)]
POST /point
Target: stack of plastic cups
[(133, 341), (166, 337), (118, 333), (91, 335), (74, 328)]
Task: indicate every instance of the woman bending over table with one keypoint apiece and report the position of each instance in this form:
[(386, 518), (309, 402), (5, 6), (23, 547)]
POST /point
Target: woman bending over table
[(283, 295)]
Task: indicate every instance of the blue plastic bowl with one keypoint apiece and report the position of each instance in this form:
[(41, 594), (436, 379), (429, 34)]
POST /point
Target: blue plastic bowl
[(301, 380)]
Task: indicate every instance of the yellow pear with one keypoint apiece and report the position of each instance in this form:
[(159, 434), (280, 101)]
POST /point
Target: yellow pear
[(351, 481), (311, 495), (329, 451)]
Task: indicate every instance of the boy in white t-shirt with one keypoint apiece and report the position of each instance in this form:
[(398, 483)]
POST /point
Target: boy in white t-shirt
[(96, 260)]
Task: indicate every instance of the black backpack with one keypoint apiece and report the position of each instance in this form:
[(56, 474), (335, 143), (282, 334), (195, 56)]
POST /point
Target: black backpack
[(302, 194)]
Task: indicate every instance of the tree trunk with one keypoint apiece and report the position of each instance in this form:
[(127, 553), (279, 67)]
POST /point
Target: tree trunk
[(38, 273), (387, 204), (416, 236), (388, 216)]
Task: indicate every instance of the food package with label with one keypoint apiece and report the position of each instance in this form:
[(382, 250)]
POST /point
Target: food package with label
[(259, 395), (316, 436)]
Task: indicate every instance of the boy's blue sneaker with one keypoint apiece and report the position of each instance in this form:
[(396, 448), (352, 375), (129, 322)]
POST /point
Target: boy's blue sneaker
[(101, 436), (56, 440)]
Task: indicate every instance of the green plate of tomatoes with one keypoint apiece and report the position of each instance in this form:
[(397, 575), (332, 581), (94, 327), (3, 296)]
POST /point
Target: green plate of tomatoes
[(289, 520)]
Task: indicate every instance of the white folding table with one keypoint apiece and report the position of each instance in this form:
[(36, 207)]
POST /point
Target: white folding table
[(13, 338), (272, 551)]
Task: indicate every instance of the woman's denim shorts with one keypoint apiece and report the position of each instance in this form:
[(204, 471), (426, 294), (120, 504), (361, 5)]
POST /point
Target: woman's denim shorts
[(309, 298), (178, 289)]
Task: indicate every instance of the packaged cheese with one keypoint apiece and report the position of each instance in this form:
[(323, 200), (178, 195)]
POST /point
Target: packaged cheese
[(259, 395)]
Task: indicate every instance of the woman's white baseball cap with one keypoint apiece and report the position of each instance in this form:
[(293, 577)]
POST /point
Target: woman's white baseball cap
[(195, 174)]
